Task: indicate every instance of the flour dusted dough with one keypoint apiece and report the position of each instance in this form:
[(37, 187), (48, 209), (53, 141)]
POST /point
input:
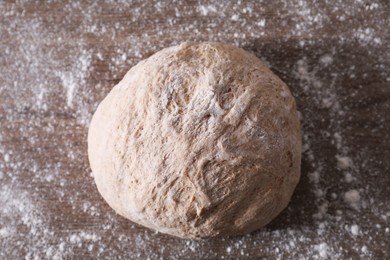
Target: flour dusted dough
[(198, 140)]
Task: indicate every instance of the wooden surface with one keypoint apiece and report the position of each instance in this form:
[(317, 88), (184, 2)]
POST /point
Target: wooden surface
[(59, 59)]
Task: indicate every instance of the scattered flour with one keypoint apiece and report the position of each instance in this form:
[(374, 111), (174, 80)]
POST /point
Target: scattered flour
[(235, 17), (348, 178), (74, 78), (47, 96), (323, 250), (355, 230), (344, 162), (206, 10), (352, 197), (326, 59)]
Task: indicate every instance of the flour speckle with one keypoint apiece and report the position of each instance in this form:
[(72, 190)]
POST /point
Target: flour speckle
[(326, 59), (352, 197), (5, 232), (75, 78), (228, 249), (60, 59), (322, 250), (355, 230), (348, 178), (261, 22), (344, 162), (205, 10), (235, 17)]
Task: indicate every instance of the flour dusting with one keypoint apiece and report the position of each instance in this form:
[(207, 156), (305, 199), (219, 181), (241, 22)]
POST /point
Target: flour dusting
[(59, 60)]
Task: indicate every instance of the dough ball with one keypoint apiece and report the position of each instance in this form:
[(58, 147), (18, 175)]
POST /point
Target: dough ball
[(198, 140)]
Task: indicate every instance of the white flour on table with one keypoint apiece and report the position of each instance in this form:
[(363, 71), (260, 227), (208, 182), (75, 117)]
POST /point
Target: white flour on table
[(48, 96)]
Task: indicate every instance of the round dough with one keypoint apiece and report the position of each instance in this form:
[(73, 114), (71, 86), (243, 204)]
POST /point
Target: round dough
[(198, 140)]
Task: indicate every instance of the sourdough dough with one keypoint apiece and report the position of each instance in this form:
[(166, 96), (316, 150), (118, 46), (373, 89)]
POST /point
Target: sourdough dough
[(198, 140)]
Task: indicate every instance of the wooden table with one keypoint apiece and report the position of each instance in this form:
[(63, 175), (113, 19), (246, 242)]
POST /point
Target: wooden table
[(59, 59)]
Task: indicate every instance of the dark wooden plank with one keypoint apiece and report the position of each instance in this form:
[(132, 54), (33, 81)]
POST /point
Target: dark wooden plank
[(59, 59)]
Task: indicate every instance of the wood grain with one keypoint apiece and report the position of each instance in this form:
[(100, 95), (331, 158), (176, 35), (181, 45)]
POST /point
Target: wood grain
[(50, 205)]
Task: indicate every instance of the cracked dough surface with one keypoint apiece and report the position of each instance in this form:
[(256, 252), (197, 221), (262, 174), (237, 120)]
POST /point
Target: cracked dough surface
[(198, 140)]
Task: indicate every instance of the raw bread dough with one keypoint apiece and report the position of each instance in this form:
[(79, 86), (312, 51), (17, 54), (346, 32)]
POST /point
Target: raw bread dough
[(198, 140)]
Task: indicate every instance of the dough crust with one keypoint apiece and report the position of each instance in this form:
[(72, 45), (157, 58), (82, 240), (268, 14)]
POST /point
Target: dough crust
[(198, 140)]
